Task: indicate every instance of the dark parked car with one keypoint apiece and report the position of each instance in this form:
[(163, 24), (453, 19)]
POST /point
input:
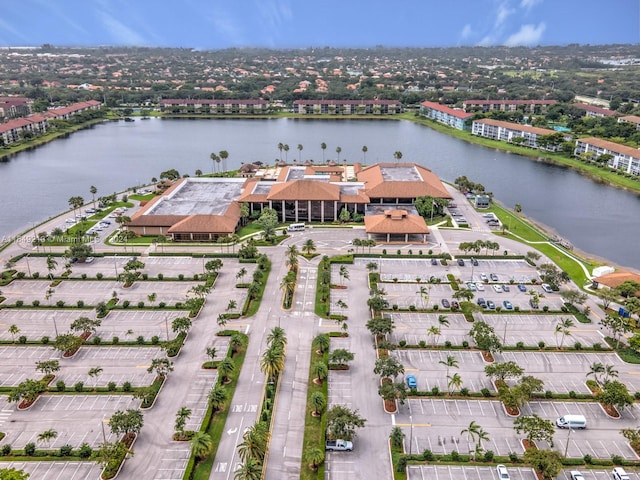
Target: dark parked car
[(522, 288), (505, 288), (445, 303), (474, 262), (434, 261), (461, 262), (482, 302)]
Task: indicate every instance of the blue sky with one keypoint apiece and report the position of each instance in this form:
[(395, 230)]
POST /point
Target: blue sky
[(213, 24)]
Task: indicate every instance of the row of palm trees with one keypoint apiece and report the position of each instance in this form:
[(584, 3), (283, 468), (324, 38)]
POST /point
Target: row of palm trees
[(216, 158), (283, 147)]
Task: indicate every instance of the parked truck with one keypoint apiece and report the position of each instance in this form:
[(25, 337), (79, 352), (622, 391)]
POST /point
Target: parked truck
[(338, 446)]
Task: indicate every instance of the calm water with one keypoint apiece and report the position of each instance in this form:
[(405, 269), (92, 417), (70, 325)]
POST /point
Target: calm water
[(113, 156)]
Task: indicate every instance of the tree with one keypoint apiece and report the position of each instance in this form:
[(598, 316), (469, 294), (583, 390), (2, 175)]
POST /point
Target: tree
[(341, 356), (182, 415), (181, 325), (535, 428), (388, 367), (268, 221), (292, 257), (344, 273), (474, 432), (223, 154), (615, 394), (300, 147), (51, 265), (93, 190), (380, 325), (272, 363), (547, 462), (162, 366), (338, 150), (107, 453), (280, 147), (201, 444), (484, 337), (48, 435), (503, 370), (215, 158), (250, 469), (323, 146), (364, 154), (318, 402), (607, 295), (241, 274), (596, 369), (321, 342), (563, 327), (217, 397), (397, 155), (254, 442), (125, 422), (392, 391), (321, 372), (212, 267), (48, 366), (286, 152), (226, 367), (95, 372), (309, 246), (609, 373), (14, 330), (342, 422), (377, 303), (67, 343), (277, 338), (573, 297), (13, 474), (314, 455), (397, 436), (75, 203), (85, 325), (616, 325), (26, 391)]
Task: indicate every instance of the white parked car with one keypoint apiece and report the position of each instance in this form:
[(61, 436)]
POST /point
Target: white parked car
[(480, 287), (547, 288), (503, 474), (497, 288)]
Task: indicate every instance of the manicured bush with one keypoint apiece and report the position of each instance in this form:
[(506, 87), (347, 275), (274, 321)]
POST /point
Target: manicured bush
[(111, 386), (541, 344), (97, 340), (65, 450), (412, 308), (79, 386), (60, 386), (427, 455), (160, 276), (30, 449), (545, 308), (6, 449), (35, 275), (145, 276), (140, 304), (126, 304), (488, 456), (162, 304), (155, 340), (80, 303), (455, 456), (577, 346), (520, 345), (402, 343), (85, 451), (548, 394), (83, 276), (19, 303), (465, 344), (513, 457), (99, 276), (572, 394), (115, 340), (485, 392), (597, 346), (22, 339), (422, 344), (464, 391), (126, 387), (36, 303), (447, 344), (44, 340), (60, 303), (140, 340), (181, 276)]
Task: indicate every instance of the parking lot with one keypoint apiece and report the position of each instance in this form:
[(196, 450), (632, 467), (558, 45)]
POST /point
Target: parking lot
[(128, 325), (438, 425), (57, 470), (35, 324), (457, 472)]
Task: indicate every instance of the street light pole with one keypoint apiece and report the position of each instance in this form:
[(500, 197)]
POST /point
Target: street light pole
[(28, 267), (55, 325), (411, 435), (566, 449), (115, 266), (104, 436)]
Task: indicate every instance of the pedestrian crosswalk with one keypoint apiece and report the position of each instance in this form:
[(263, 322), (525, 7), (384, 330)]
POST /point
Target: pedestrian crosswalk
[(4, 415)]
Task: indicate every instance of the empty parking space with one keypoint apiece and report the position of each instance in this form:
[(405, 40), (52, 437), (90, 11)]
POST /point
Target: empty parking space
[(76, 418), (457, 472), (19, 363), (168, 292), (414, 327), (57, 470), (341, 381), (35, 324), (128, 325)]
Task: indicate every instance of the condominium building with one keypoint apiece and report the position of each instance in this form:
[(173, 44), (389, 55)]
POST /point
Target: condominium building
[(449, 116), (508, 132), (622, 158)]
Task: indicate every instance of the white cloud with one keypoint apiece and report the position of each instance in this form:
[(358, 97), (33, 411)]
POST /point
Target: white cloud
[(528, 4), (527, 35), (121, 34), (504, 11), (274, 12), (487, 41), (59, 11), (6, 27), (466, 31), (226, 27)]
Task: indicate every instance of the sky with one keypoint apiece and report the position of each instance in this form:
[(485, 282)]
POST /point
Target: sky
[(217, 24)]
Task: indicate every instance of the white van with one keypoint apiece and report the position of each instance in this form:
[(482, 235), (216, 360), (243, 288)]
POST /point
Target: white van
[(620, 474), (572, 421)]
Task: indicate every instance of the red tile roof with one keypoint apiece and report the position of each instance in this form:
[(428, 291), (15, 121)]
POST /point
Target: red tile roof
[(444, 109), (516, 126), (614, 147), (395, 222)]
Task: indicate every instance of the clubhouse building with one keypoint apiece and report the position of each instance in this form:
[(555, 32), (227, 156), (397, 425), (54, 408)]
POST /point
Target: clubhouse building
[(204, 209)]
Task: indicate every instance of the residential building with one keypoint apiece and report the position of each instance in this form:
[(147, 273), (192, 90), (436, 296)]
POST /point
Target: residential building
[(594, 112), (14, 107), (630, 119), (623, 158), (347, 107), (214, 106), (527, 106), (508, 131), (449, 116)]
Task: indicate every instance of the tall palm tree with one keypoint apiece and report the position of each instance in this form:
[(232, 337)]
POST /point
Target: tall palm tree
[(226, 367), (320, 370), (95, 373), (217, 397), (254, 442), (318, 402), (609, 373), (277, 338), (75, 203), (338, 150), (201, 444), (596, 369), (224, 155), (435, 331), (286, 152), (14, 330), (454, 382), (215, 159), (323, 146), (280, 147), (93, 190), (450, 362), (472, 432), (397, 155), (309, 246), (443, 321), (272, 363), (182, 415), (292, 257), (364, 153), (47, 436), (251, 469), (300, 147), (563, 327), (423, 292)]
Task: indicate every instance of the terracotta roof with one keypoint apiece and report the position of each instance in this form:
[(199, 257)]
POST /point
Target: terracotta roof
[(304, 190), (612, 146), (509, 102), (612, 280), (377, 187), (395, 222), (516, 126), (154, 220), (445, 109), (346, 102), (630, 119), (207, 224), (590, 108), (206, 101)]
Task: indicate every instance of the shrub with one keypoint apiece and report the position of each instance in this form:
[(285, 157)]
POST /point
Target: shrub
[(30, 449), (435, 306), (35, 275), (465, 344), (587, 459), (384, 251), (97, 340), (422, 344), (80, 303), (455, 456), (617, 459), (60, 386), (79, 386), (162, 304), (126, 387), (597, 346), (20, 275), (636, 395), (464, 391), (577, 346), (548, 394), (140, 340), (513, 457), (99, 276), (126, 304), (44, 340), (181, 276), (402, 343), (22, 339), (447, 344), (6, 449), (36, 303), (515, 309), (60, 303), (145, 276), (196, 277), (160, 276), (545, 308), (412, 308), (488, 456), (65, 450), (398, 252), (83, 276), (155, 340), (140, 304), (572, 394), (427, 455), (115, 340), (19, 303), (111, 386), (520, 345), (485, 392), (395, 306), (410, 252), (541, 344), (85, 450), (435, 391)]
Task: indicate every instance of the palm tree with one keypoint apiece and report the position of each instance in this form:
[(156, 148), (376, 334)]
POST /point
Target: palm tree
[(321, 342), (315, 455), (563, 327), (318, 402), (224, 155), (397, 155), (95, 373), (364, 153), (241, 274), (596, 369), (292, 257), (423, 293), (323, 146), (272, 363), (300, 147), (286, 152), (435, 331), (443, 320), (182, 415), (277, 338), (226, 367), (280, 147), (309, 247), (14, 330), (93, 190), (344, 273), (609, 373), (472, 431), (338, 150), (517, 208), (217, 397), (254, 442), (201, 444), (251, 469), (75, 203), (47, 436), (321, 371), (450, 362), (215, 159), (454, 382)]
